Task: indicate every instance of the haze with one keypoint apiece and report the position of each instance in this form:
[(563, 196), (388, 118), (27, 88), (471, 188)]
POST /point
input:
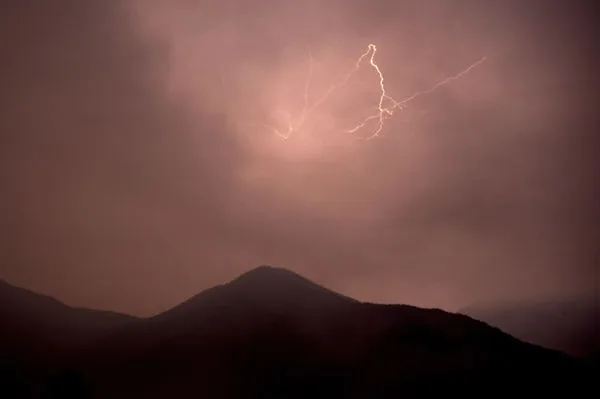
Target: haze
[(135, 172)]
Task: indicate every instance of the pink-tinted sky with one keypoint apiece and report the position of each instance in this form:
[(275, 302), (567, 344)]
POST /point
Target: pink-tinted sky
[(135, 172)]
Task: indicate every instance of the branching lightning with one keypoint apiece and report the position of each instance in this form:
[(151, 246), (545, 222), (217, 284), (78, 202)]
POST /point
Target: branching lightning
[(386, 106)]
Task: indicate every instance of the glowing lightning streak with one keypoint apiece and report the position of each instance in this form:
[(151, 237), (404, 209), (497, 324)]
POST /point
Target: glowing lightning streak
[(306, 110), (382, 112), (343, 82), (306, 91), (386, 112), (291, 128)]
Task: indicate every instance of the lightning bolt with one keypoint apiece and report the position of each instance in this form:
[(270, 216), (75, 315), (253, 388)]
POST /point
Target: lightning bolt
[(291, 126), (386, 106), (306, 90), (386, 112)]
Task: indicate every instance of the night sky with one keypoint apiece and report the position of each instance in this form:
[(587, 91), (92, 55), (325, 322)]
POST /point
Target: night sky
[(135, 170)]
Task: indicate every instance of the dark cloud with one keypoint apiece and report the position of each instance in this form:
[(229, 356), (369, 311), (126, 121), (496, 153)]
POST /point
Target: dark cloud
[(105, 180), (132, 178)]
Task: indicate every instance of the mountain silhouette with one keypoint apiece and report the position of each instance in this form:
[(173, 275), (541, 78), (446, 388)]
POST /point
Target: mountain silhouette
[(264, 288), (271, 333), (38, 334)]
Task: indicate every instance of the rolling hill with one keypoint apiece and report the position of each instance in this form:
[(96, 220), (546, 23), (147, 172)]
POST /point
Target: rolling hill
[(271, 333), (38, 334)]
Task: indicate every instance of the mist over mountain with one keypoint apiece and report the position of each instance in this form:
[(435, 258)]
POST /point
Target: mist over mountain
[(270, 333), (571, 326)]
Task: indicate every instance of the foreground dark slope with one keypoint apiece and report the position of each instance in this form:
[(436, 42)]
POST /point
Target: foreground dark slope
[(271, 333), (38, 334)]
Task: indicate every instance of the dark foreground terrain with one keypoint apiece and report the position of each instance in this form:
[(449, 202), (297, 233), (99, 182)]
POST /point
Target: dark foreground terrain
[(269, 334)]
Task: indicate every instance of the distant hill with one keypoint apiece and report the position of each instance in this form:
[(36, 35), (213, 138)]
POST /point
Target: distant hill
[(571, 326), (39, 333), (271, 333)]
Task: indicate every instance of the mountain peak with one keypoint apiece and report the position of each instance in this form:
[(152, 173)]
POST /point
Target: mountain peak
[(280, 284), (265, 287), (266, 274)]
